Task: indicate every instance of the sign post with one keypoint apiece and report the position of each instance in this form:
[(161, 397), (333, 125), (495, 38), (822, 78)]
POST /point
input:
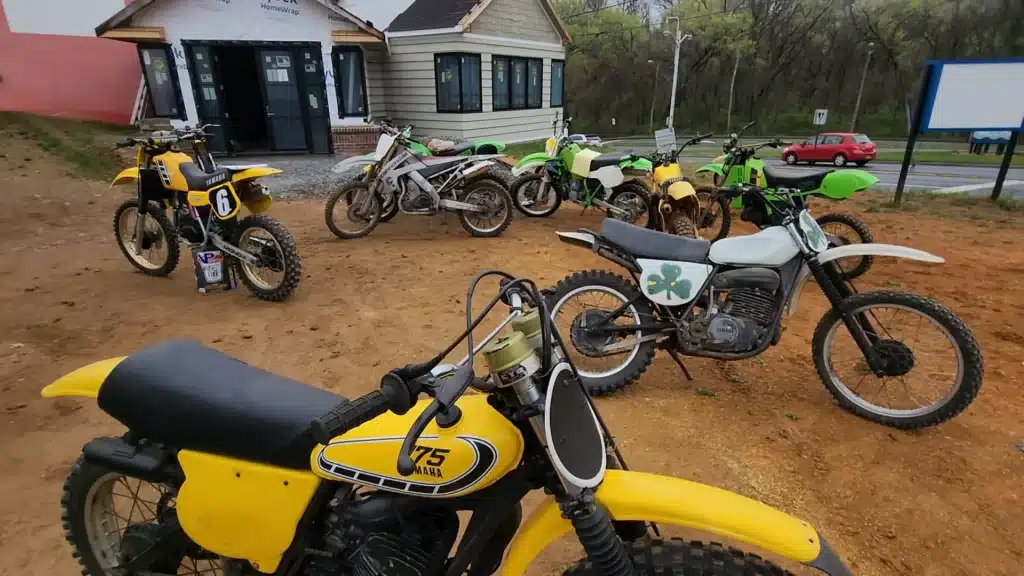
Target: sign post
[(820, 116), (968, 96)]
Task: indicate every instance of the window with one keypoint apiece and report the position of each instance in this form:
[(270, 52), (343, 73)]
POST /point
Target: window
[(516, 83), (832, 140), (557, 83), (350, 81), (861, 139), (161, 81), (457, 81), (499, 82), (534, 69)]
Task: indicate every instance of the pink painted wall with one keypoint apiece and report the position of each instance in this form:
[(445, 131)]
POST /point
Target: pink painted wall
[(68, 76)]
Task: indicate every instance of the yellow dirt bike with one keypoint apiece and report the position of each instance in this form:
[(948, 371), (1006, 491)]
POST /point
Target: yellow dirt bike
[(238, 471), (675, 207), (204, 202)]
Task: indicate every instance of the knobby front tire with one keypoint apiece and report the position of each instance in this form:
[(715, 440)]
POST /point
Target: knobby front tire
[(678, 557)]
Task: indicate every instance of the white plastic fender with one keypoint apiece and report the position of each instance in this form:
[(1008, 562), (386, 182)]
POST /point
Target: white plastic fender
[(577, 238), (354, 163), (856, 250)]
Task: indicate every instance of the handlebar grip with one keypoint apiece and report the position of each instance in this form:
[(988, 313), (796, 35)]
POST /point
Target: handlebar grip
[(348, 415)]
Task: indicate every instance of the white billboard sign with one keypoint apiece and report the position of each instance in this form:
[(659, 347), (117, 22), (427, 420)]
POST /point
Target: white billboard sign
[(820, 116), (965, 95)]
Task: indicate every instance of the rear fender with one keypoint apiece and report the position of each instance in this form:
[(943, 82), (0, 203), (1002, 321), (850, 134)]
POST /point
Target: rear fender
[(488, 147), (856, 250), (84, 382), (635, 496), (582, 239), (126, 176), (844, 183), (254, 172), (529, 162), (639, 164)]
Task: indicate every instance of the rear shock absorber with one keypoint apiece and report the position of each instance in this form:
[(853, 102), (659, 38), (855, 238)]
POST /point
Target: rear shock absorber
[(597, 535)]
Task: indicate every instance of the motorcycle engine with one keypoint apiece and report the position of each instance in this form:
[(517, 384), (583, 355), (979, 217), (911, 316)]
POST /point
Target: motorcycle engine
[(413, 197), (740, 322), (384, 534), (189, 228), (575, 190)]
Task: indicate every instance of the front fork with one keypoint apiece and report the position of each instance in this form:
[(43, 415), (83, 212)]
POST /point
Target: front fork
[(596, 533), (830, 279), (140, 218)]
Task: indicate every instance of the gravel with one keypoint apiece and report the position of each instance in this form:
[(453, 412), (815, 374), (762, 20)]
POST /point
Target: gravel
[(311, 176)]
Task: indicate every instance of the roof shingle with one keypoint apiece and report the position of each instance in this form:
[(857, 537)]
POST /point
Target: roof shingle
[(431, 14)]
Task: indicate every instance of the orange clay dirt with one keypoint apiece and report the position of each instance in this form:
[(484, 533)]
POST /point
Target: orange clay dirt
[(945, 500)]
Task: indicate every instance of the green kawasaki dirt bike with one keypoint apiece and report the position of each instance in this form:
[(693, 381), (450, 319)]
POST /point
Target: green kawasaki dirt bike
[(569, 172), (740, 165), (434, 147)]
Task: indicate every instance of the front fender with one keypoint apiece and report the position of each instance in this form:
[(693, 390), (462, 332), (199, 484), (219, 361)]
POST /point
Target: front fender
[(856, 250), (84, 382), (125, 176), (254, 172), (649, 497), (353, 162), (529, 162), (714, 168)]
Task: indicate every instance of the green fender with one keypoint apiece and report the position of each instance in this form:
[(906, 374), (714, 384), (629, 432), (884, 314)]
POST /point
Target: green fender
[(419, 149), (529, 162), (843, 183), (717, 168), (640, 164), (487, 147)]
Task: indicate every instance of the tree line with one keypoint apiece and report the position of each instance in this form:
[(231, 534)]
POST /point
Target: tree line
[(784, 58)]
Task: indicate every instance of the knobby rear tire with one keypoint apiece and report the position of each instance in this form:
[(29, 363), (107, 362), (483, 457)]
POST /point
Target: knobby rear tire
[(289, 253), (678, 557), (724, 213), (602, 386), (962, 336), (637, 187), (499, 186), (680, 225)]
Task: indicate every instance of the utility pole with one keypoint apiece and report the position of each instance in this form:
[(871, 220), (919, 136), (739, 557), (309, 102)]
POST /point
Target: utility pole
[(678, 38), (654, 95), (860, 91), (732, 84)]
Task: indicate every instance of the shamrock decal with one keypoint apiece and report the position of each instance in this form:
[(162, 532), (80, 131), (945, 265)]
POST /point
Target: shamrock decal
[(669, 282)]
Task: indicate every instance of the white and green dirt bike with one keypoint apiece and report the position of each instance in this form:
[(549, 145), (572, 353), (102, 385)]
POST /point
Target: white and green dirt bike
[(566, 171)]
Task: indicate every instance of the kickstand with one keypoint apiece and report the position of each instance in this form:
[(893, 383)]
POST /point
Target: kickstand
[(679, 361)]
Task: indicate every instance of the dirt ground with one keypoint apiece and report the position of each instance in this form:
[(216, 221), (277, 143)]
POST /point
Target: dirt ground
[(947, 500)]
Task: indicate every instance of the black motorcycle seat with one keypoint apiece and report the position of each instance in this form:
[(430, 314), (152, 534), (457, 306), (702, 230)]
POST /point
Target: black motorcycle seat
[(458, 149), (652, 244), (611, 159), (189, 396), (776, 177), (198, 180)]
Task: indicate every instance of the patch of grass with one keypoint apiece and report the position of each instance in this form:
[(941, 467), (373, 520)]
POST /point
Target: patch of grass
[(941, 157), (792, 416), (86, 146), (520, 149), (707, 393), (955, 206)]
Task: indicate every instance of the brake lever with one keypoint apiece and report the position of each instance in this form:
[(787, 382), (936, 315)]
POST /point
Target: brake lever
[(406, 466)]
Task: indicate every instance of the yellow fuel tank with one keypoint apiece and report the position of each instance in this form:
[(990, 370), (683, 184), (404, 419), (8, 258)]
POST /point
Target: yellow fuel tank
[(469, 456), (666, 171), (170, 174)]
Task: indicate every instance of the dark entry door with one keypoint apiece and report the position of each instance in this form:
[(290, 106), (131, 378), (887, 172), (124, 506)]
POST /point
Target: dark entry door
[(284, 110), (209, 94), (314, 89)]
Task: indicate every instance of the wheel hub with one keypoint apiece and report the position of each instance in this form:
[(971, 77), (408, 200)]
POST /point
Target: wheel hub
[(585, 340), (897, 357), (138, 538)]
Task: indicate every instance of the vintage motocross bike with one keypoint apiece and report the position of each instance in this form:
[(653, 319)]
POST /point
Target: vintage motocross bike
[(565, 171), (740, 165), (423, 185), (675, 206), (725, 301), (243, 472), (204, 202)]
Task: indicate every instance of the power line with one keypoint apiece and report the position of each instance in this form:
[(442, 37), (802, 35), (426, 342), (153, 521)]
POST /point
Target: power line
[(705, 15), (571, 16)]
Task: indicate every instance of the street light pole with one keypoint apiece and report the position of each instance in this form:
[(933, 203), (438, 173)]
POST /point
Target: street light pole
[(654, 95), (860, 91), (678, 38)]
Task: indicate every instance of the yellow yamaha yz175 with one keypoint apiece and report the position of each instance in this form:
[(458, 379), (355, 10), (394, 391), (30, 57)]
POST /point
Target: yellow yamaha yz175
[(675, 207), (204, 202), (228, 469)]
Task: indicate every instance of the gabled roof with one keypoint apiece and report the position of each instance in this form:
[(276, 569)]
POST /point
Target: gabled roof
[(124, 15), (447, 14)]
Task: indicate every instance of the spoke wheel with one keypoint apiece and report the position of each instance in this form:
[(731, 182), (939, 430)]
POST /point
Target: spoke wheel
[(489, 194), (159, 242), (278, 269), (931, 364), (715, 217)]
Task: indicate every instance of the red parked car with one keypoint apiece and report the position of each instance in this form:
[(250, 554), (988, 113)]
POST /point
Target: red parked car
[(837, 148)]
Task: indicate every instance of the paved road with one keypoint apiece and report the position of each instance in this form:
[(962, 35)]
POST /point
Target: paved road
[(921, 176)]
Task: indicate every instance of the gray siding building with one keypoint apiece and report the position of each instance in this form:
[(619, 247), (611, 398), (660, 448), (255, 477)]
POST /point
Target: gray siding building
[(305, 75)]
